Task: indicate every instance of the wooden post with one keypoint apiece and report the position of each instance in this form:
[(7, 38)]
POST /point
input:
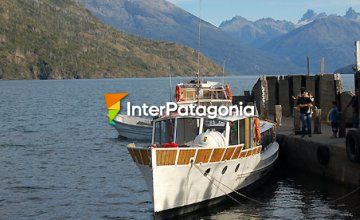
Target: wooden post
[(296, 113), (342, 125), (317, 121), (278, 115)]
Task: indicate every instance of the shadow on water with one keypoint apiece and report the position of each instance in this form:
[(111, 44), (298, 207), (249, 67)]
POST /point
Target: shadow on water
[(289, 194)]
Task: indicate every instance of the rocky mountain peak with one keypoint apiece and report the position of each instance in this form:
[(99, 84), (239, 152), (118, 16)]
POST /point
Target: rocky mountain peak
[(352, 14), (310, 16)]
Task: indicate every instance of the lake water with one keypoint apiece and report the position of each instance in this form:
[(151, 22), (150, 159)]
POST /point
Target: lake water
[(60, 159)]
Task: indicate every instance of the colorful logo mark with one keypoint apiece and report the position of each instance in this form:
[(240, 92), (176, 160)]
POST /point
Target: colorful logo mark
[(113, 105)]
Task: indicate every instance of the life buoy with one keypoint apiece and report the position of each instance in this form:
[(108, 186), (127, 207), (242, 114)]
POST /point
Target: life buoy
[(328, 121), (170, 145), (228, 92), (257, 130), (353, 146), (178, 93)]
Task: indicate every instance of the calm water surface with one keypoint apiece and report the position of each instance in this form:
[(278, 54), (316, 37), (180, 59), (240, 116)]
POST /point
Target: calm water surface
[(60, 159)]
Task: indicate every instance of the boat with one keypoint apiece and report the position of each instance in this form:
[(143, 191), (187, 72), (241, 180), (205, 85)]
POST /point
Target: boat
[(210, 93), (134, 128), (195, 162)]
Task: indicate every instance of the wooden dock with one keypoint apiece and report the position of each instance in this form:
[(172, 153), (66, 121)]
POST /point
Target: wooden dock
[(319, 154)]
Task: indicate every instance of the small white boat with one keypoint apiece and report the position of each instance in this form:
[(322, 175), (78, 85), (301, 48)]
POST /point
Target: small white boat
[(134, 128), (194, 162)]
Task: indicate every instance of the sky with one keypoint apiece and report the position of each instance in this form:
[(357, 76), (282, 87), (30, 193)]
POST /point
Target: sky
[(216, 11)]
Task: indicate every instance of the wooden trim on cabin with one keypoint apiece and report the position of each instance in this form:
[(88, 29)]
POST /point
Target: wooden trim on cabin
[(165, 157), (145, 156), (131, 151), (247, 135), (185, 156), (203, 155), (228, 153), (217, 154), (237, 152), (243, 154), (138, 156), (259, 149)]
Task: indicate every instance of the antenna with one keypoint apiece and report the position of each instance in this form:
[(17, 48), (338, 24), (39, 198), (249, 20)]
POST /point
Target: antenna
[(357, 55), (322, 66), (308, 65), (226, 59), (170, 85), (224, 63), (198, 58)]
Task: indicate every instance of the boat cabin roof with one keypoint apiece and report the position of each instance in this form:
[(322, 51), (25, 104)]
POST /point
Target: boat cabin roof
[(175, 115), (203, 84)]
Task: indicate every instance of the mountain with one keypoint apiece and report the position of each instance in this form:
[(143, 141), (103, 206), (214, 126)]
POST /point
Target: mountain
[(352, 14), (349, 69), (256, 33), (331, 37), (49, 39), (162, 20), (309, 17)]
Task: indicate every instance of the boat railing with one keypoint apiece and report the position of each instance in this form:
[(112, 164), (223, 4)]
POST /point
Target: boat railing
[(186, 156)]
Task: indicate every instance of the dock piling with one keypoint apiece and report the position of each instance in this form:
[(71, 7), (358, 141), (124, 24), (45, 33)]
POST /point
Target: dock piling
[(317, 121), (278, 115), (296, 113)]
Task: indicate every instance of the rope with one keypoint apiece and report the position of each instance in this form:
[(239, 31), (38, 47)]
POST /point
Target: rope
[(240, 194), (254, 200), (235, 200), (346, 195)]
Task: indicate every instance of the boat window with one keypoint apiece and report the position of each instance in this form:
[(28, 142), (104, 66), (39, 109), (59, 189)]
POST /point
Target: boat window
[(164, 131), (189, 95), (214, 125), (206, 94), (207, 172), (218, 94), (241, 130), (251, 133), (187, 130), (237, 168), (224, 170), (267, 137), (234, 133)]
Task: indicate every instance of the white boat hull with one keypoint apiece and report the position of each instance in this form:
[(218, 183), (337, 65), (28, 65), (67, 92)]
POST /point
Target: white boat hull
[(178, 186), (127, 128)]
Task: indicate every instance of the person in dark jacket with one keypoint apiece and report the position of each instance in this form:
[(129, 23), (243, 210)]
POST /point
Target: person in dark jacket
[(304, 103), (334, 119)]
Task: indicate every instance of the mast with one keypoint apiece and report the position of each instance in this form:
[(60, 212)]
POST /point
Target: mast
[(198, 57)]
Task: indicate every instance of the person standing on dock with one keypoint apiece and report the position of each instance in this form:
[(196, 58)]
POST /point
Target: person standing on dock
[(354, 103), (334, 119), (304, 103)]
